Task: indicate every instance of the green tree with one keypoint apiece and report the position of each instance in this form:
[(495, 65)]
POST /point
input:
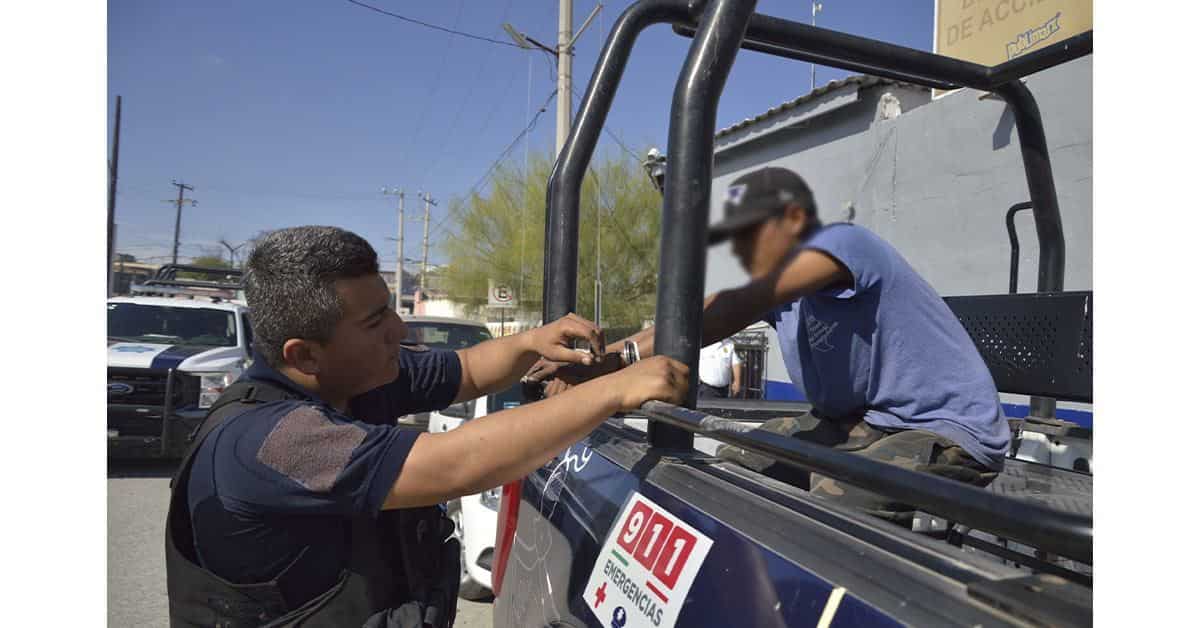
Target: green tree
[(206, 261), (500, 236)]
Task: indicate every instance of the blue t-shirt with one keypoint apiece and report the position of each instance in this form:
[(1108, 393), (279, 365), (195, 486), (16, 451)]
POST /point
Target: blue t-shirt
[(890, 347), (280, 483)]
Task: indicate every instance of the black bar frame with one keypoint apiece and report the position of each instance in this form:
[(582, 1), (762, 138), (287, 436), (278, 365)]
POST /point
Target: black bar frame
[(719, 28), (1042, 407), (1051, 530), (1014, 254), (561, 262)]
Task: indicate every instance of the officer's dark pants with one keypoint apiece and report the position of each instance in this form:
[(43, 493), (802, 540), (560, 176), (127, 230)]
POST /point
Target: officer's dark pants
[(712, 392), (915, 450)]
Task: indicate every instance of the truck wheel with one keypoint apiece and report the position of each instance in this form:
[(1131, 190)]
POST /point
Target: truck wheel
[(468, 589)]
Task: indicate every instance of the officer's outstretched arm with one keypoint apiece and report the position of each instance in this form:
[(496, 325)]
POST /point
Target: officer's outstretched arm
[(493, 366), (504, 446)]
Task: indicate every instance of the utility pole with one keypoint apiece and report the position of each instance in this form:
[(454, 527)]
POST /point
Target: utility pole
[(816, 8), (399, 249), (563, 51), (566, 10), (178, 214), (112, 195), (425, 241)]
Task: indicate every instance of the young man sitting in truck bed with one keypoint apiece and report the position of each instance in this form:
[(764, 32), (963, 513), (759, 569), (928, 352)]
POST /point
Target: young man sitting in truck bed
[(890, 372)]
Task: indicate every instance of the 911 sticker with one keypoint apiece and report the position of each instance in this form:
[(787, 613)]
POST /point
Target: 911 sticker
[(645, 568)]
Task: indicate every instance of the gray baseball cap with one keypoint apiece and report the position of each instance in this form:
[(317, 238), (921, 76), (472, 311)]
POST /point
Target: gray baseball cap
[(757, 196)]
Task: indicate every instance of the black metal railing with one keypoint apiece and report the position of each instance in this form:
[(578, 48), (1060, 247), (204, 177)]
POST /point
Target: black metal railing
[(1050, 530), (719, 29)]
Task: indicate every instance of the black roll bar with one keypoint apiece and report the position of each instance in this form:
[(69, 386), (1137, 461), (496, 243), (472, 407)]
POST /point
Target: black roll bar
[(167, 272), (1041, 527), (796, 40), (561, 262), (686, 192), (719, 28), (1014, 255), (1043, 407)]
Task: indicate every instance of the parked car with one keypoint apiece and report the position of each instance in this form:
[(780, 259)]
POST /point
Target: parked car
[(173, 347), (689, 539), (475, 515), (441, 332)]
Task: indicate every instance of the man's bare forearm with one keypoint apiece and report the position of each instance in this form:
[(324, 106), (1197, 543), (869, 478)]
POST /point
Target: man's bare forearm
[(501, 447), (492, 366), (725, 313)]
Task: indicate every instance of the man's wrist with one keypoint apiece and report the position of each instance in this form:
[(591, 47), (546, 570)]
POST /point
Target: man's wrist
[(528, 341)]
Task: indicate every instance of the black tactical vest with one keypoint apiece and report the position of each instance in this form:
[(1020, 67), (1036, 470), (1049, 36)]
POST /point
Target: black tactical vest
[(403, 569)]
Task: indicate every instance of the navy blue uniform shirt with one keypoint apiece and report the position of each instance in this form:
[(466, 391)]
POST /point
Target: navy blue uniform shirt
[(280, 483)]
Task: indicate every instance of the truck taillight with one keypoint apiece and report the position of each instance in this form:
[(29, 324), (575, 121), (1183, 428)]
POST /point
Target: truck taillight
[(506, 530)]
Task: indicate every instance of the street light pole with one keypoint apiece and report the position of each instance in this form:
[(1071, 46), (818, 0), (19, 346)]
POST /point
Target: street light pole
[(563, 53), (232, 250), (565, 15), (816, 8)]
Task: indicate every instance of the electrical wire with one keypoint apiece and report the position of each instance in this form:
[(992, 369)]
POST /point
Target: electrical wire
[(610, 133), (433, 26), (462, 102), (528, 128), (431, 97), (487, 174)]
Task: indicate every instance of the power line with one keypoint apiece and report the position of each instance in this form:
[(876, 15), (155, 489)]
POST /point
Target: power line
[(238, 192), (487, 121), (432, 94), (610, 133), (462, 102), (433, 26), (528, 128)]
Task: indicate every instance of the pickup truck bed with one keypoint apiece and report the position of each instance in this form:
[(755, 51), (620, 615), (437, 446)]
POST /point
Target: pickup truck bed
[(769, 540), (1056, 488)]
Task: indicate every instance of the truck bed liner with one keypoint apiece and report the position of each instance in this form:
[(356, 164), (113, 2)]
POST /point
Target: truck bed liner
[(1060, 489)]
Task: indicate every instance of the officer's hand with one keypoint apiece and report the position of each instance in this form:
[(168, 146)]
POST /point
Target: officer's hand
[(657, 378), (555, 341), (548, 370)]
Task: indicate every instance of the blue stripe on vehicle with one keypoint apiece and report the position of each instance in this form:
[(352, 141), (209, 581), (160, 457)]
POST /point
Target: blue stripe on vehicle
[(785, 391), (174, 356), (782, 391), (1082, 417)]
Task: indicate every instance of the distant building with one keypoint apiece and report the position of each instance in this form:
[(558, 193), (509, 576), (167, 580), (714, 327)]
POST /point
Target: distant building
[(934, 178), (128, 273)]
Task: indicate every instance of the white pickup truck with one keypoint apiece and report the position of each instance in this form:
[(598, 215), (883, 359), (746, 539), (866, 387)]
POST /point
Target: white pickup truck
[(169, 358)]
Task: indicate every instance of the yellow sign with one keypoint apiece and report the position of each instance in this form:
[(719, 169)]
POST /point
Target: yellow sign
[(990, 32)]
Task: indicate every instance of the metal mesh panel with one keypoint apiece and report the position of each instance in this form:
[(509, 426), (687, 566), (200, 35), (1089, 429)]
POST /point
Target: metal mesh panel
[(1033, 344), (1084, 347)]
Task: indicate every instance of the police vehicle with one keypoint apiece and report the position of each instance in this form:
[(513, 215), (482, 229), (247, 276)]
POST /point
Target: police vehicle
[(639, 525), (173, 347)]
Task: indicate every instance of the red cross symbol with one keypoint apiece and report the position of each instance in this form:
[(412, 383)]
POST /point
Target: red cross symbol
[(600, 595)]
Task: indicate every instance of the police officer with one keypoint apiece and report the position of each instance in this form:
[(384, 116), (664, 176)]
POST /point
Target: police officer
[(720, 369), (890, 372), (302, 503)]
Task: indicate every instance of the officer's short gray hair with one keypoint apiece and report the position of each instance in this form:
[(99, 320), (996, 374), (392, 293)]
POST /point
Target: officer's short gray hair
[(289, 284)]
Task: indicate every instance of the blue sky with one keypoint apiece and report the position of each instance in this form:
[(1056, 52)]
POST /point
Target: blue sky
[(285, 113)]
